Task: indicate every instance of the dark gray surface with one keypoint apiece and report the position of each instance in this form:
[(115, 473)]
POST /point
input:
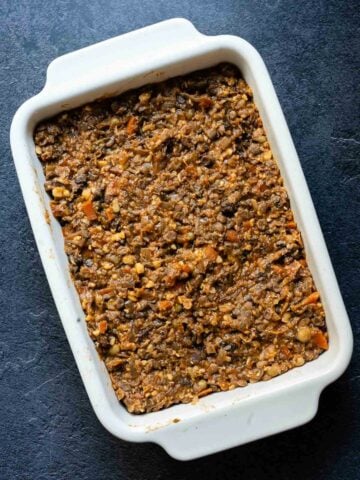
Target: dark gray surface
[(47, 427)]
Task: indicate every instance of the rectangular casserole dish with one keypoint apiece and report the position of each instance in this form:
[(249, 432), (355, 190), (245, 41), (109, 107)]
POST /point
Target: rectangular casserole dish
[(220, 420)]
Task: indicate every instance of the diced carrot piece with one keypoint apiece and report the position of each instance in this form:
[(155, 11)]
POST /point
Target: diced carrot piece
[(205, 102), (103, 326), (164, 305), (89, 210), (185, 268), (231, 236), (105, 290), (291, 225), (131, 126), (210, 253), (320, 340), (312, 298)]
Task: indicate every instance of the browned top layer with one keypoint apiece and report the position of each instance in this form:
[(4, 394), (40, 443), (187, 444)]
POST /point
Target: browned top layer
[(181, 241)]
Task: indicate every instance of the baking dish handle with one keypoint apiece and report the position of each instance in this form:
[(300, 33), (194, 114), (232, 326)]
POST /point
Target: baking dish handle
[(107, 57), (247, 421)]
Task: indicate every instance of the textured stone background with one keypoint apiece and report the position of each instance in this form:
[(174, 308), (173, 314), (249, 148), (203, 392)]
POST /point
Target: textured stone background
[(48, 429)]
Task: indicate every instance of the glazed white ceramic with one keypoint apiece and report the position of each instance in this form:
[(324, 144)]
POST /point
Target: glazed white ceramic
[(222, 420)]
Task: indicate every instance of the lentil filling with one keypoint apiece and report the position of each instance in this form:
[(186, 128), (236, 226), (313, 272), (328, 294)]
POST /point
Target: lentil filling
[(181, 241)]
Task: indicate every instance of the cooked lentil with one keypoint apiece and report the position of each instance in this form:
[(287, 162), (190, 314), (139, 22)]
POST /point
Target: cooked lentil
[(181, 241)]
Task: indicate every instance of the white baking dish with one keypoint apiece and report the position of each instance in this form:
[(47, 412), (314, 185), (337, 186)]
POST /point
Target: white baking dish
[(221, 420)]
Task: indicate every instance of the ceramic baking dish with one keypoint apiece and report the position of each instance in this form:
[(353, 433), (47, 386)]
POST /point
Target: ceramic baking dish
[(221, 420)]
